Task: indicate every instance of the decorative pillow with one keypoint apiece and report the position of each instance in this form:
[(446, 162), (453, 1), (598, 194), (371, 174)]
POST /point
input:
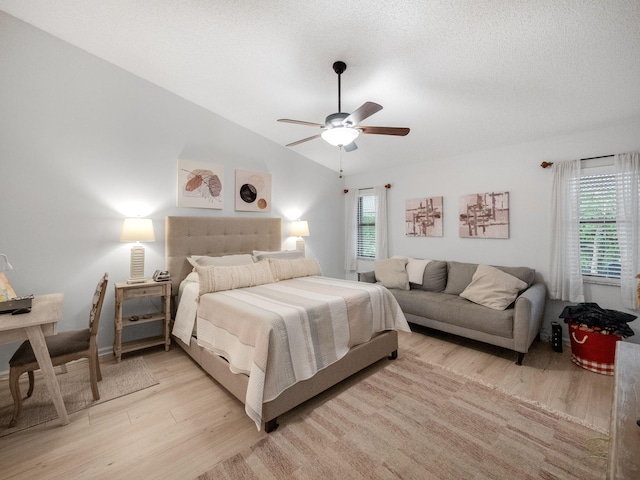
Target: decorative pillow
[(225, 260), (493, 288), (216, 278), (415, 269), (435, 276), (283, 254), (284, 269), (392, 272), (459, 276)]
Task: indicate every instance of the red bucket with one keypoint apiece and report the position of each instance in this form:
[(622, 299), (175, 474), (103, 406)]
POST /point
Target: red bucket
[(592, 350)]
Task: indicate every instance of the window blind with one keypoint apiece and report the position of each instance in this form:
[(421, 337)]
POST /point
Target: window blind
[(367, 226), (599, 248)]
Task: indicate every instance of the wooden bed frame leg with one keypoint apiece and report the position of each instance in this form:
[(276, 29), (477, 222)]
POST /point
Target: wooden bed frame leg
[(271, 425), (393, 355), (520, 358)]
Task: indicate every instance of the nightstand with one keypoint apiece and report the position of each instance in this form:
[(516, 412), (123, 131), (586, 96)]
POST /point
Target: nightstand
[(127, 291)]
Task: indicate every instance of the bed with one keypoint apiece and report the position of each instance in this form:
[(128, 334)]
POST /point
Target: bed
[(223, 236)]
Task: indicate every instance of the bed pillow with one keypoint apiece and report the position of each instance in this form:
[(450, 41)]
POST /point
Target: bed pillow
[(283, 254), (284, 269), (493, 288), (216, 278), (225, 260), (392, 272)]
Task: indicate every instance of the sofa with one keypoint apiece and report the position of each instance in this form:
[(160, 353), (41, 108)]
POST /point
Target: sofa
[(502, 306)]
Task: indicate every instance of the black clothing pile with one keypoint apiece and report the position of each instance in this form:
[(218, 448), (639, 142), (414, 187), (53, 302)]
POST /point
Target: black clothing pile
[(601, 320)]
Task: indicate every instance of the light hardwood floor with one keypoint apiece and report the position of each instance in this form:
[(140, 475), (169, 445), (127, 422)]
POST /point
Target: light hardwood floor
[(183, 426)]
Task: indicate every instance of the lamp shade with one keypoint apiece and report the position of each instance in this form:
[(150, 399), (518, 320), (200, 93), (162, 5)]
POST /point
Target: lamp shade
[(137, 230), (300, 228), (340, 136)]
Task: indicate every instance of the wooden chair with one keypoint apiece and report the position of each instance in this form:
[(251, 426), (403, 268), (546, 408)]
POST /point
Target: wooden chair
[(63, 348)]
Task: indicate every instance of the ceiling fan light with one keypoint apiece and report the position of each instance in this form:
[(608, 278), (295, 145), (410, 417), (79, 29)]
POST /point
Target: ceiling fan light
[(340, 136)]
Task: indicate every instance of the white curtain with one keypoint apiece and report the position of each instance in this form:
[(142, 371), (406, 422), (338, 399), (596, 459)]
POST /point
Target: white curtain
[(351, 229), (628, 213), (382, 245), (565, 282)]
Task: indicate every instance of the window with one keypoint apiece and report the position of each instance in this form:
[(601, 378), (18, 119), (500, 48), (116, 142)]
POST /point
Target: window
[(599, 248), (367, 226)]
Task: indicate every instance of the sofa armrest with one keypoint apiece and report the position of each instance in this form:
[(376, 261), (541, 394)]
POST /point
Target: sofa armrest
[(527, 319), (369, 277)]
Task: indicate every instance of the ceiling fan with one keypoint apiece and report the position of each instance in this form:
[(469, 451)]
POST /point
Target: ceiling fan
[(341, 129)]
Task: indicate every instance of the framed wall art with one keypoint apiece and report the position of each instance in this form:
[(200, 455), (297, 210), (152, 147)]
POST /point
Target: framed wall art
[(253, 191), (484, 215), (199, 184), (423, 217)]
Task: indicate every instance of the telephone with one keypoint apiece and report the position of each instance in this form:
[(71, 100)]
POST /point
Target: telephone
[(161, 276)]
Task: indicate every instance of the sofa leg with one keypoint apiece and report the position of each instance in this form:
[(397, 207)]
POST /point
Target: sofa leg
[(271, 425), (393, 355), (520, 358)]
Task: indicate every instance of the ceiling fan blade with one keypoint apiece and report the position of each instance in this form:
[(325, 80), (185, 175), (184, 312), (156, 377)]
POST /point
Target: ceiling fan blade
[(302, 141), (350, 147), (400, 131), (300, 122), (365, 111)]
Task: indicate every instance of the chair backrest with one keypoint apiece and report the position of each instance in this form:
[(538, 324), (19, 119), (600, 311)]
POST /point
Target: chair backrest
[(96, 307)]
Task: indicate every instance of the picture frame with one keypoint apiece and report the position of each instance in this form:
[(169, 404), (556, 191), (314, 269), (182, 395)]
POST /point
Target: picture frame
[(200, 185), (484, 215), (424, 217), (253, 191)]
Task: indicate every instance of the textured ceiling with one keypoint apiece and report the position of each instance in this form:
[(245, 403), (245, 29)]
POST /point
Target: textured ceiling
[(463, 75)]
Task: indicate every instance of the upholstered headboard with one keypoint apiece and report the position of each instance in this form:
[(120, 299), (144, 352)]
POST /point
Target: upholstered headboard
[(216, 236)]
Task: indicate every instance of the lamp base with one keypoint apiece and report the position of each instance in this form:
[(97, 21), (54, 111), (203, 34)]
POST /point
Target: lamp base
[(136, 270), (300, 245)]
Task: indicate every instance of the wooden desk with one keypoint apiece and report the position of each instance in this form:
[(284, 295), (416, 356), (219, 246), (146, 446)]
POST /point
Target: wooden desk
[(45, 312), (624, 436)]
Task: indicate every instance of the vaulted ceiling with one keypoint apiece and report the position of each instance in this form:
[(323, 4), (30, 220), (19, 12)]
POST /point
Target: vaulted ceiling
[(464, 75)]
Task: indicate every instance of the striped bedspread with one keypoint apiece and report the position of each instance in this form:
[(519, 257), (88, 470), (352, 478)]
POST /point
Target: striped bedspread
[(285, 332)]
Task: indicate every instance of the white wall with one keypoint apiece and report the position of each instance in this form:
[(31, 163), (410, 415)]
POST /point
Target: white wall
[(81, 140), (515, 169)]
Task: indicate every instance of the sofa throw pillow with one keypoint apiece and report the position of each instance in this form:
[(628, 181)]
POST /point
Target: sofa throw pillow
[(284, 269), (493, 288), (392, 272), (415, 270), (216, 278), (459, 276), (435, 276), (225, 260)]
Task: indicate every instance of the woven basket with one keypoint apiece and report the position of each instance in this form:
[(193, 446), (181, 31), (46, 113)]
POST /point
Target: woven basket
[(592, 350)]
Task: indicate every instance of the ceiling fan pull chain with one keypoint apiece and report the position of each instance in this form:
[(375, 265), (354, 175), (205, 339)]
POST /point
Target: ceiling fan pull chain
[(340, 147)]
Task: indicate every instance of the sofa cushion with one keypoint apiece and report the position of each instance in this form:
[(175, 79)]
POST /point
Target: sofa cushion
[(455, 310), (435, 277), (392, 272), (493, 288), (459, 275)]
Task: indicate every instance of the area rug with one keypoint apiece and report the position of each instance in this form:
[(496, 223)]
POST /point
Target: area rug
[(118, 379), (413, 420)]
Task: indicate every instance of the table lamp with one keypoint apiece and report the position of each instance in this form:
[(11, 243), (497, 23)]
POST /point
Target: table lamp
[(137, 230), (300, 228)]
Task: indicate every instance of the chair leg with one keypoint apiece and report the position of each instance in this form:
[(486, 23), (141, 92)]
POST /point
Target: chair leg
[(93, 374), (32, 383), (14, 386), (98, 367)]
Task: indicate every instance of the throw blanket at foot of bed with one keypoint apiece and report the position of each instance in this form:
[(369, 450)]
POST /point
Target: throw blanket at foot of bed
[(285, 332)]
